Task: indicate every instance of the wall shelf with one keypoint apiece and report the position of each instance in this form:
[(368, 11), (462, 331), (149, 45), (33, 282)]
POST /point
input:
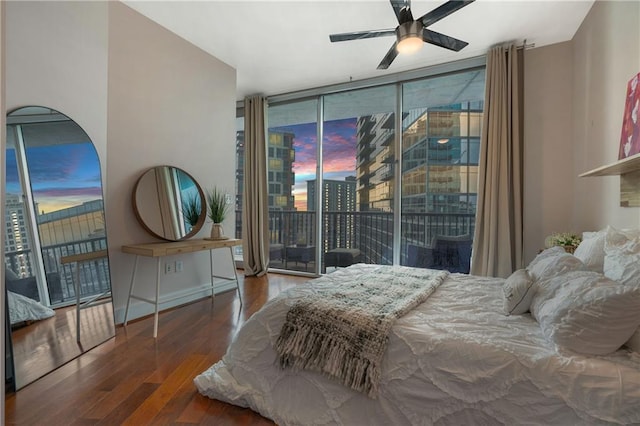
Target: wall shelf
[(620, 167), (629, 171)]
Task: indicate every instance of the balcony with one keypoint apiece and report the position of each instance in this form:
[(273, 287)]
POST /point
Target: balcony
[(94, 277), (370, 232)]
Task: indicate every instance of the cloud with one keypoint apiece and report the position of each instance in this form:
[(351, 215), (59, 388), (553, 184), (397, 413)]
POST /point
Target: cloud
[(339, 150)]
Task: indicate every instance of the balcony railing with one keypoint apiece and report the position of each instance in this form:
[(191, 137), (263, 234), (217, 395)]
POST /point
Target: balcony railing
[(94, 276), (369, 232)]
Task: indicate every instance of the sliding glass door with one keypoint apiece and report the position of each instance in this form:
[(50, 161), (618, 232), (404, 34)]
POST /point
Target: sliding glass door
[(440, 148), (358, 166), (292, 164), (394, 176)]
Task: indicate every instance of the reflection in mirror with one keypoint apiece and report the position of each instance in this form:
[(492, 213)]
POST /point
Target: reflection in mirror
[(169, 203), (54, 210)]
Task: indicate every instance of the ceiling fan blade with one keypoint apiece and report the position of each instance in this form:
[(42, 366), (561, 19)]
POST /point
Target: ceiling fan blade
[(389, 57), (402, 9), (442, 40), (362, 35), (443, 11)]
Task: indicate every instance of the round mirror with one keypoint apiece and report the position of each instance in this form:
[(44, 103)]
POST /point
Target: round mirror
[(169, 203)]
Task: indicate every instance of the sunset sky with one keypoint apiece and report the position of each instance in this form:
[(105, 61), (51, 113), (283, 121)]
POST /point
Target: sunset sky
[(61, 175), (339, 154), (68, 175)]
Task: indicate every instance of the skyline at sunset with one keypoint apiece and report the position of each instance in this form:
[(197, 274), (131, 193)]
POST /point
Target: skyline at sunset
[(338, 151), (62, 176)]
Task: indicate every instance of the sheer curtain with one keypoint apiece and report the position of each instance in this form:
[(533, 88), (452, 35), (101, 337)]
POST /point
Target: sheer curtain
[(255, 199), (498, 239)]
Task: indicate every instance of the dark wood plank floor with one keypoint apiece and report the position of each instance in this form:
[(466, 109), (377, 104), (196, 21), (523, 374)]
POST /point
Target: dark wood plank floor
[(138, 380)]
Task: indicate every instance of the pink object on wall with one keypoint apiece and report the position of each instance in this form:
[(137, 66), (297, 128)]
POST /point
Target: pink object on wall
[(630, 137)]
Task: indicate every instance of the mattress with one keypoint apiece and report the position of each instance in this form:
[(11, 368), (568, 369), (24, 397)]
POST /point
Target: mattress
[(455, 359)]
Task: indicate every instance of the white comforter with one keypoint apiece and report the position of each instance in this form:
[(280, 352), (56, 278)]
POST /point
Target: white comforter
[(22, 308), (455, 359)]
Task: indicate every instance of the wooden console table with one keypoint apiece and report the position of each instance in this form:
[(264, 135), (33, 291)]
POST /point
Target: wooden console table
[(159, 250)]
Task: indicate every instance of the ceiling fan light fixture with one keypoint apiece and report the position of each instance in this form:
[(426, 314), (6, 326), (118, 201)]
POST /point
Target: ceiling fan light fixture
[(409, 37)]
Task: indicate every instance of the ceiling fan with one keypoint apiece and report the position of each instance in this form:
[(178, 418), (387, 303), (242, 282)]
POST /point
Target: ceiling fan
[(411, 33)]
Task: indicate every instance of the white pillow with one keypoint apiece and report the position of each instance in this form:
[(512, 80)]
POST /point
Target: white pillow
[(622, 256), (517, 293), (589, 313), (555, 263), (617, 236), (546, 253), (591, 250)]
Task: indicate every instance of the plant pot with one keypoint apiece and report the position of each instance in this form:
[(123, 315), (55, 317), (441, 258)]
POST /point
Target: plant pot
[(217, 233)]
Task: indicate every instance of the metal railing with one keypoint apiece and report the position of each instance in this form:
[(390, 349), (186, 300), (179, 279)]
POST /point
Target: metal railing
[(94, 275), (369, 232)]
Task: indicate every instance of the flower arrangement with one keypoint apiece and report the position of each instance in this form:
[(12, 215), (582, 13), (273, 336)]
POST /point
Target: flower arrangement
[(568, 240)]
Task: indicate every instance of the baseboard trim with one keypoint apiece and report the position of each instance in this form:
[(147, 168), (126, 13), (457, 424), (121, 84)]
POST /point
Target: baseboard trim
[(139, 309)]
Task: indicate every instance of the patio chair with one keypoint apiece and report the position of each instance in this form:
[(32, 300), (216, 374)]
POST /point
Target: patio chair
[(451, 253)]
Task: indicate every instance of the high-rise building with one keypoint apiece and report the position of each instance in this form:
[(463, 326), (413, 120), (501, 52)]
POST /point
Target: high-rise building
[(440, 158), (439, 171), (84, 222), (280, 157), (16, 240), (375, 177), (338, 197), (374, 165), (281, 178)]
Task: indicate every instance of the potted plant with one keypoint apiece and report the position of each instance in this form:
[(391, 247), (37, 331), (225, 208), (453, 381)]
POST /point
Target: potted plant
[(216, 211), (191, 210), (568, 240)]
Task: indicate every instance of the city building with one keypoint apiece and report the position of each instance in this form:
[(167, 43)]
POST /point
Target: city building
[(338, 207), (16, 240)]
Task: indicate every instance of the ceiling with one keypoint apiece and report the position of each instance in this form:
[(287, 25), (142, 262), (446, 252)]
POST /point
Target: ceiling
[(283, 46)]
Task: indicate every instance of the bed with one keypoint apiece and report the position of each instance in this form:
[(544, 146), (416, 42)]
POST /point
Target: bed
[(478, 350)]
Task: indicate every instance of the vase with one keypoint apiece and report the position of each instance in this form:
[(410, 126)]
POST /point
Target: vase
[(217, 233)]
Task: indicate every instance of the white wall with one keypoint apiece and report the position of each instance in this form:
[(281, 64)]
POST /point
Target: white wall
[(548, 148), (606, 56), (574, 100), (169, 103), (56, 56), (143, 95)]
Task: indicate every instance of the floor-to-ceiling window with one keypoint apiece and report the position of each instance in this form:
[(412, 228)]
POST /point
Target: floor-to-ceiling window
[(440, 150), (358, 164), (292, 164), (397, 167)]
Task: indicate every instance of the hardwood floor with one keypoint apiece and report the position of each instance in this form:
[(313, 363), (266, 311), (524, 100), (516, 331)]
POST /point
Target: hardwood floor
[(134, 379), (45, 345)]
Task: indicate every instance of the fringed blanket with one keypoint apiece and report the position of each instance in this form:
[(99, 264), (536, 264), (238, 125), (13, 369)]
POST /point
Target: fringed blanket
[(342, 329)]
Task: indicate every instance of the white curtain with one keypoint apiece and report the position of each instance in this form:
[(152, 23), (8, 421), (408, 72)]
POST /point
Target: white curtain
[(498, 239), (255, 199)]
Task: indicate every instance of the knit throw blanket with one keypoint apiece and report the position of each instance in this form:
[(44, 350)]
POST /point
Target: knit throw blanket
[(342, 329)]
